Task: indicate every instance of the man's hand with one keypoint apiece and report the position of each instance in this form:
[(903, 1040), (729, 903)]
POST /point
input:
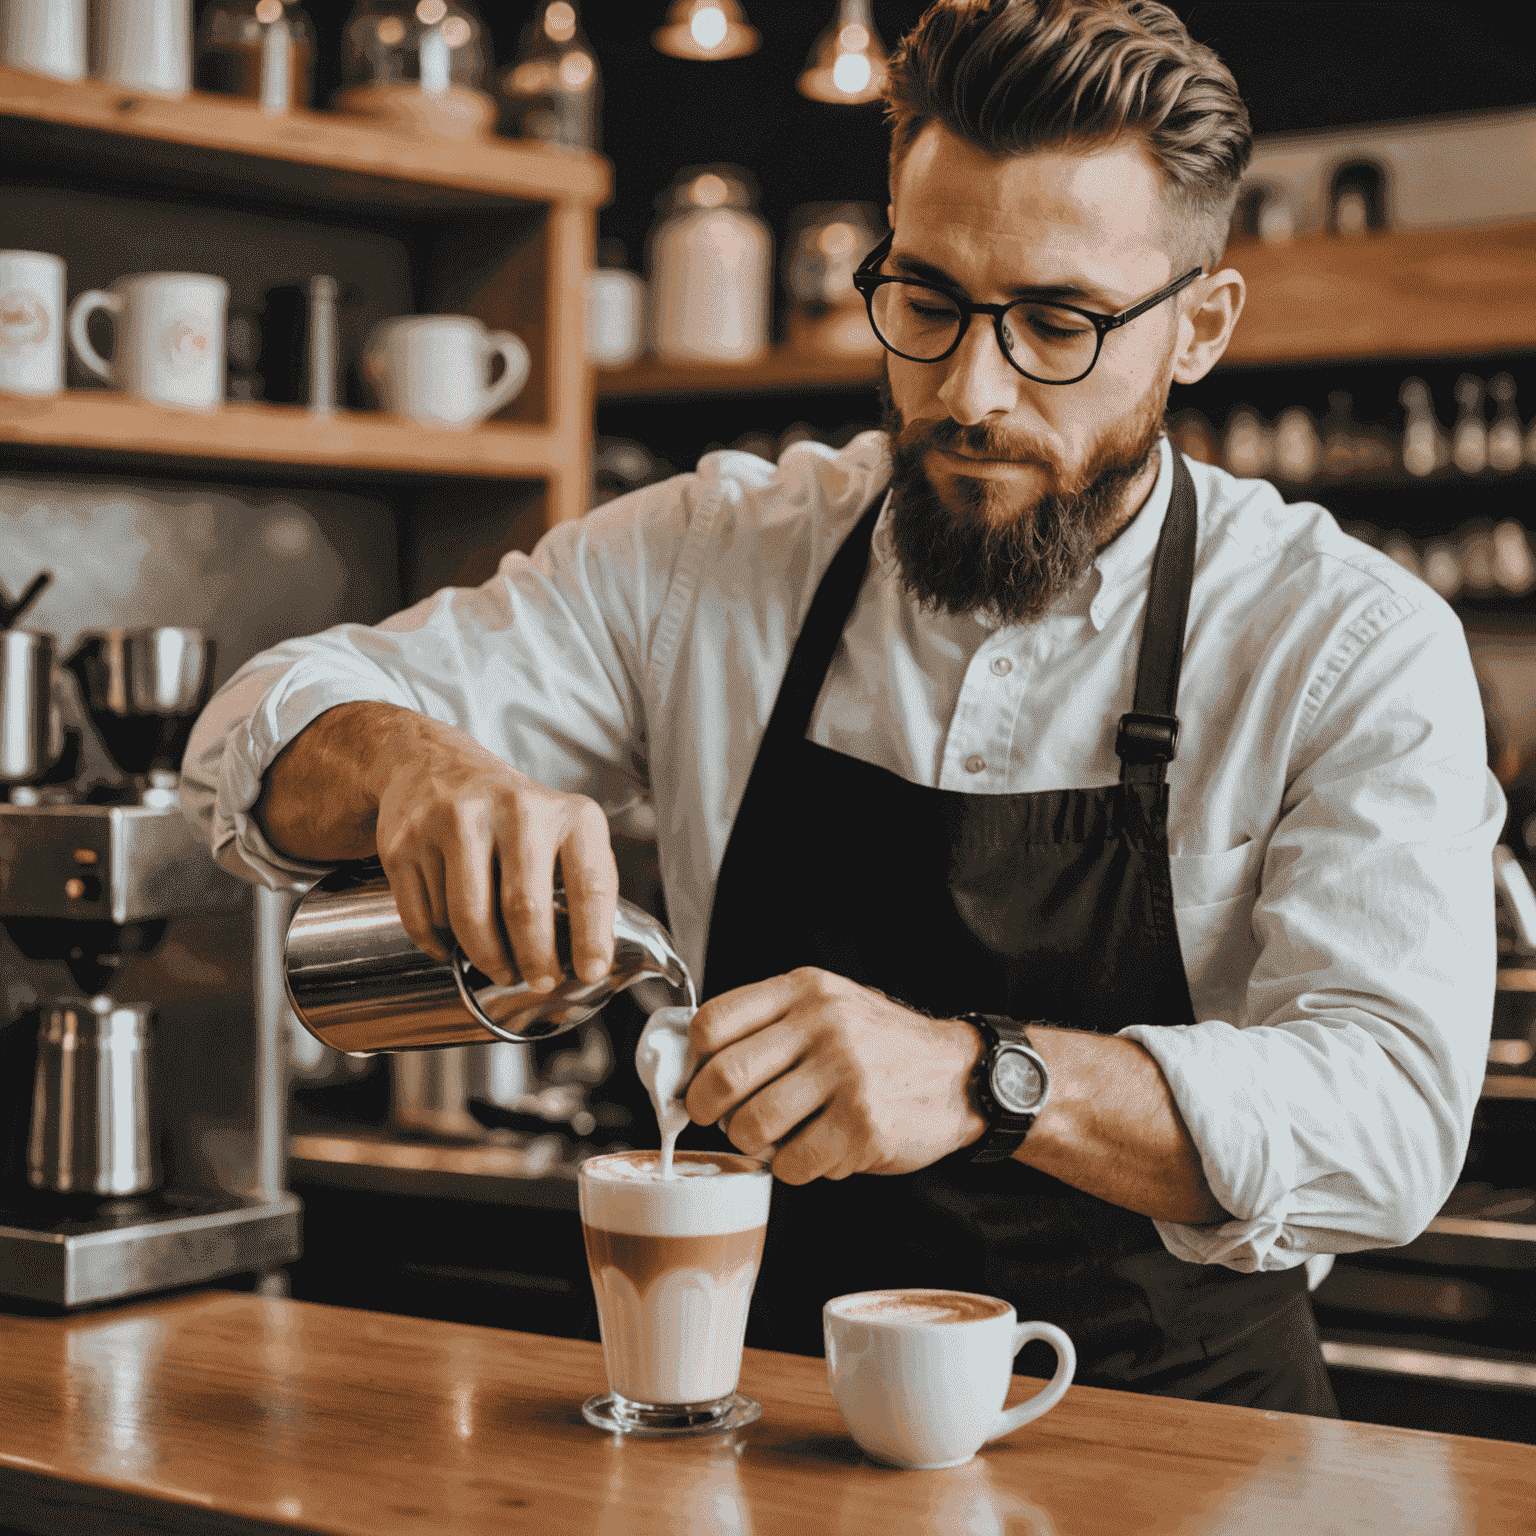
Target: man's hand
[(837, 1078), (468, 843)]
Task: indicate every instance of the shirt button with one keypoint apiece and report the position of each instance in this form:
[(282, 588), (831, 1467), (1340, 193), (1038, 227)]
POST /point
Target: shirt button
[(1002, 666), (974, 763)]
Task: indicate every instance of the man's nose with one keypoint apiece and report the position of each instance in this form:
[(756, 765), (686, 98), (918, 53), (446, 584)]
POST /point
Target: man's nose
[(981, 382)]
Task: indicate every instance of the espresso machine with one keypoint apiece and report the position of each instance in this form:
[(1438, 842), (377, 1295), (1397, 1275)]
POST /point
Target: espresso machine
[(142, 1050)]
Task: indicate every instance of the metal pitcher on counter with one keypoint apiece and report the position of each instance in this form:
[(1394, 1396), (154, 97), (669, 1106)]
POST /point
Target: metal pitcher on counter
[(358, 983)]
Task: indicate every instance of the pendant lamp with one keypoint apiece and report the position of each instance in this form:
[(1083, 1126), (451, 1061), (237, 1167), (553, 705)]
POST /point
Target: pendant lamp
[(847, 65), (706, 29)]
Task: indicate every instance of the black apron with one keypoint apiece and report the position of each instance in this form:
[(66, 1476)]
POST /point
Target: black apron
[(1055, 904)]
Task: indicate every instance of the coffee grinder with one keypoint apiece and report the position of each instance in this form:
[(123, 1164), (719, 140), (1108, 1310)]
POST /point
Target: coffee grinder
[(142, 1142)]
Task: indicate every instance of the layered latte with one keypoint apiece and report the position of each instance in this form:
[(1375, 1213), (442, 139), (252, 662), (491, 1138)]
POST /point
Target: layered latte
[(673, 1264)]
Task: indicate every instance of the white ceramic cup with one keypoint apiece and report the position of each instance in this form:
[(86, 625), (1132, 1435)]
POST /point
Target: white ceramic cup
[(44, 37), (434, 368), (31, 323), (920, 1376), (145, 44), (170, 337)]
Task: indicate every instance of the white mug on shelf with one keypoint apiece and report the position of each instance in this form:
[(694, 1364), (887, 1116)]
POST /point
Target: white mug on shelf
[(145, 44), (31, 323), (433, 369), (44, 37), (920, 1376), (170, 337)]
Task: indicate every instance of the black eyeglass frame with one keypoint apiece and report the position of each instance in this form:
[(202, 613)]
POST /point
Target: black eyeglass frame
[(866, 280)]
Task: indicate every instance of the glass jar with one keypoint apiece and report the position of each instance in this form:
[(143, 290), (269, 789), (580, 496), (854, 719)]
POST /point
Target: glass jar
[(711, 270), (553, 92), (262, 50), (827, 242), (417, 65)]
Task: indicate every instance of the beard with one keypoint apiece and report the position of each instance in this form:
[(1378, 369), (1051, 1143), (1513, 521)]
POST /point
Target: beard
[(986, 554)]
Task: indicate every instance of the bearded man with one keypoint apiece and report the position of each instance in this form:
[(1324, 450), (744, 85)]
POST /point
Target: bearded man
[(1086, 855)]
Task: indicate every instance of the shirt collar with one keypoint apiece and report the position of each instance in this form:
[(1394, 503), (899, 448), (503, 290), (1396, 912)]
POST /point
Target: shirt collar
[(1125, 560)]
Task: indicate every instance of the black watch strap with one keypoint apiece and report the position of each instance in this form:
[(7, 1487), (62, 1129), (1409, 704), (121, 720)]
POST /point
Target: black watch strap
[(1006, 1127)]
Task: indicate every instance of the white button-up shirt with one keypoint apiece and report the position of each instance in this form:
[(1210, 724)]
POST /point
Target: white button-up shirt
[(1331, 823)]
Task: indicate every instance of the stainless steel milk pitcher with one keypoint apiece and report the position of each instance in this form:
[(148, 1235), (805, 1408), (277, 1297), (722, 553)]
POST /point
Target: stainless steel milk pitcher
[(359, 984)]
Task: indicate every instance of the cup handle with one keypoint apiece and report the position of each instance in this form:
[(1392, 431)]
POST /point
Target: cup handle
[(1053, 1392), (79, 312), (515, 355)]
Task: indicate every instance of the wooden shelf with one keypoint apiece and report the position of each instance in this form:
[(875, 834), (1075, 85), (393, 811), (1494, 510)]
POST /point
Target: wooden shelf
[(1317, 299), (359, 442), (310, 156), (781, 371), (1397, 294)]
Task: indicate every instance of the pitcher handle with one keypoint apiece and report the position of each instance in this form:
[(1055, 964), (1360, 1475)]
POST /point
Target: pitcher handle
[(81, 311), (519, 364), (1053, 1392)]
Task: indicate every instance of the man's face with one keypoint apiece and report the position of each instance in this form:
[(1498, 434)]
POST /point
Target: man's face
[(1006, 488)]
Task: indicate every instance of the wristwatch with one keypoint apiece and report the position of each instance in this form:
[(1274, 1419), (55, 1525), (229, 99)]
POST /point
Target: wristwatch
[(1009, 1087)]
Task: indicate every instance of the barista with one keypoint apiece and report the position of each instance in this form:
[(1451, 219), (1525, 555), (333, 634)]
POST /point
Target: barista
[(1086, 854)]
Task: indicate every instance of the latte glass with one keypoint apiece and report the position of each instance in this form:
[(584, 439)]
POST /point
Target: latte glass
[(673, 1264), (920, 1376)]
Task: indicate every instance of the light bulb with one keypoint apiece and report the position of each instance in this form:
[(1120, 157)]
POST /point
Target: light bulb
[(708, 27), (456, 31), (851, 73), (560, 22), (430, 12), (575, 70)]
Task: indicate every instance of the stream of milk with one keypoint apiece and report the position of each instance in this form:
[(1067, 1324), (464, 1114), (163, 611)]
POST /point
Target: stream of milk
[(666, 1065)]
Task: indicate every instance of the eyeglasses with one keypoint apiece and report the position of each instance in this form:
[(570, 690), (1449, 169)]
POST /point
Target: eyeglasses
[(1049, 343)]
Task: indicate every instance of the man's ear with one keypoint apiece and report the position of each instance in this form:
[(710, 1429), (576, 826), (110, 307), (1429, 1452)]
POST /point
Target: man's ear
[(1205, 327)]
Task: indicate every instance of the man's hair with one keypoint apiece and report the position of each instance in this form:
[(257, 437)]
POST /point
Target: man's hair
[(1013, 76)]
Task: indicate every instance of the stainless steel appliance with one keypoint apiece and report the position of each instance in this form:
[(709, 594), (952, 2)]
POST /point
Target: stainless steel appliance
[(154, 1157)]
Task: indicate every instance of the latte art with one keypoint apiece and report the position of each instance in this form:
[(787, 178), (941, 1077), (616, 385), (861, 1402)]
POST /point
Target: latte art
[(918, 1306)]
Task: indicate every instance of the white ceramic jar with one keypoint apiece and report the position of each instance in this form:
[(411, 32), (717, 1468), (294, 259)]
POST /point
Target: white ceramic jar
[(44, 37), (711, 271)]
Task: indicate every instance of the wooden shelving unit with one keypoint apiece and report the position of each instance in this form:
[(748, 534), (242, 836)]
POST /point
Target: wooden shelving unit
[(364, 442), (501, 230), (1316, 299), (782, 371)]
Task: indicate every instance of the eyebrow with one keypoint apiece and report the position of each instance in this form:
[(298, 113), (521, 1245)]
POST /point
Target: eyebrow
[(926, 272)]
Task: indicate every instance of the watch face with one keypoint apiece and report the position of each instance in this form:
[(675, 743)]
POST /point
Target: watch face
[(1016, 1082)]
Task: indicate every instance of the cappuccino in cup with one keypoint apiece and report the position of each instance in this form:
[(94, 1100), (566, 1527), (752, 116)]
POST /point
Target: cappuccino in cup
[(920, 1376), (673, 1264)]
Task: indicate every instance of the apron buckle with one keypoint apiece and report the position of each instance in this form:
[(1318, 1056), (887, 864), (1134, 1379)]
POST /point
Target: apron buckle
[(1147, 738)]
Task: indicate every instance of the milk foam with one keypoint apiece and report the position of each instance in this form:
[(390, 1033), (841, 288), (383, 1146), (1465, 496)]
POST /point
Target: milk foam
[(666, 1065), (916, 1307), (625, 1192)]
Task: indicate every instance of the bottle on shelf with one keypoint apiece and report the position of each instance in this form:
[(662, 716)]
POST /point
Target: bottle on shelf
[(1442, 568), (1469, 438), (1506, 447), (553, 92), (262, 50), (1194, 436), (1477, 556), (1248, 445), (1425, 446), (1399, 547), (1298, 448), (1514, 565)]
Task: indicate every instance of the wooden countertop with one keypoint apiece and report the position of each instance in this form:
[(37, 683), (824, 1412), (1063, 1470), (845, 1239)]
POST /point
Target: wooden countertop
[(231, 1413)]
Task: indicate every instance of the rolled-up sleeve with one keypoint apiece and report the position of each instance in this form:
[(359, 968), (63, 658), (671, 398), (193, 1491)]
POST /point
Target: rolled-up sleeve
[(1334, 1113), (541, 665)]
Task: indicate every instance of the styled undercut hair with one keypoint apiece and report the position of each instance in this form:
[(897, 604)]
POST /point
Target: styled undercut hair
[(1014, 76)]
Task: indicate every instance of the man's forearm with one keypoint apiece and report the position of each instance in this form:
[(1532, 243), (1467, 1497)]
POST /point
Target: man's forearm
[(1112, 1129), (320, 799)]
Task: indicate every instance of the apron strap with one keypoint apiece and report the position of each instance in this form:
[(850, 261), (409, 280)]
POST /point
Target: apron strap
[(822, 629), (1148, 738)]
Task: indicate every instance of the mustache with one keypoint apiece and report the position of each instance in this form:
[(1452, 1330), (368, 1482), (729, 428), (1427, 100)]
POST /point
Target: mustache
[(983, 439)]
